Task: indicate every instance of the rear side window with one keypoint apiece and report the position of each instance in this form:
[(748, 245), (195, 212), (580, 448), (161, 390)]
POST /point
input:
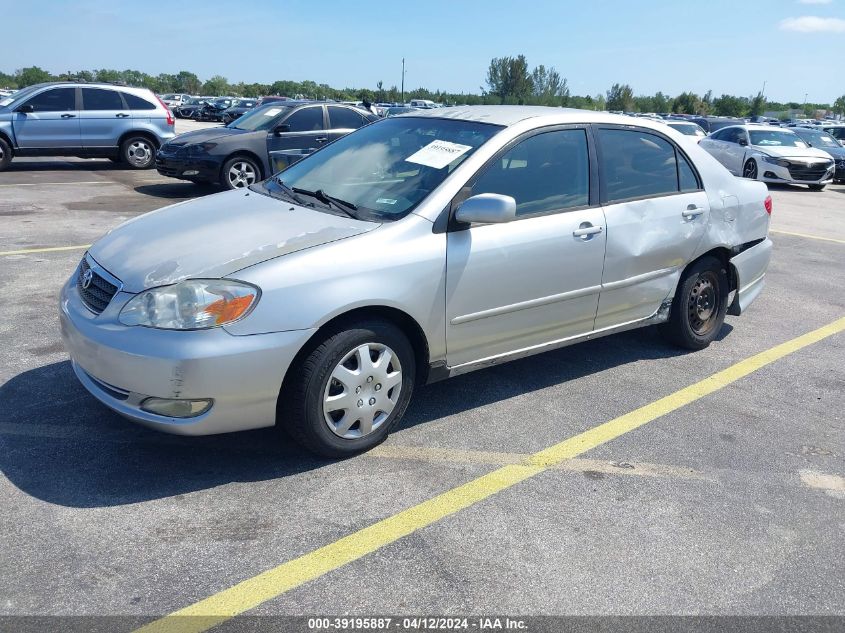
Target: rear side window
[(55, 100), (137, 103), (636, 164), (345, 118), (97, 99), (687, 180), (545, 173), (306, 120)]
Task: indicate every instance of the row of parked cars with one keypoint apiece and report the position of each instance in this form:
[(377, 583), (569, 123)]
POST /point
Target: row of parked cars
[(804, 152)]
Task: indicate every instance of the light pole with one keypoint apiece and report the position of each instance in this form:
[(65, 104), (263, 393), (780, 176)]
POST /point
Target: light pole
[(402, 98)]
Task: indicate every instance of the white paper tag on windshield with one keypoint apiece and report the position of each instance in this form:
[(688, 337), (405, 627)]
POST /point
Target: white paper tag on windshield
[(438, 154), (272, 112)]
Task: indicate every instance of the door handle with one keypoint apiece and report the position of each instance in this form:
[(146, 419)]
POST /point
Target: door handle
[(692, 211), (68, 116), (322, 139), (121, 115), (586, 230)]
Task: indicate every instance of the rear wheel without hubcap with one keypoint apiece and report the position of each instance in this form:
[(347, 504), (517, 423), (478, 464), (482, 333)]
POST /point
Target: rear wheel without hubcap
[(138, 152), (5, 154), (699, 307)]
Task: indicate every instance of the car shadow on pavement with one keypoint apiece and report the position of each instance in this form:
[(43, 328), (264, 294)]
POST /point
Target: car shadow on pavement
[(57, 164), (60, 445), (177, 189)]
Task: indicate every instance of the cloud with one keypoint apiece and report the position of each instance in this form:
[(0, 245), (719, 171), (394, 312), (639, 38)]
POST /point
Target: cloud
[(814, 1), (813, 24)]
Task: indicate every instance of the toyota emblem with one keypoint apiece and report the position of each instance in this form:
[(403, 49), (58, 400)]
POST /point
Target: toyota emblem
[(86, 278)]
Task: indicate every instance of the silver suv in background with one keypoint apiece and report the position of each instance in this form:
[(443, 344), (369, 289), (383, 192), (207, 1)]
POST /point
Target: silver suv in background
[(123, 124)]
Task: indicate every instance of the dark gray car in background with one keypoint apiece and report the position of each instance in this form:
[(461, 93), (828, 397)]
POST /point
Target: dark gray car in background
[(87, 120), (267, 139)]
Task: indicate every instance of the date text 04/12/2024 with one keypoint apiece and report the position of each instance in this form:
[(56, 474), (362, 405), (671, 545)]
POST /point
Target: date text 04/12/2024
[(417, 624)]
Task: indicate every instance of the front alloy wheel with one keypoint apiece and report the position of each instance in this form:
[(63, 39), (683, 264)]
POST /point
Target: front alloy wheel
[(138, 152), (750, 169), (239, 173)]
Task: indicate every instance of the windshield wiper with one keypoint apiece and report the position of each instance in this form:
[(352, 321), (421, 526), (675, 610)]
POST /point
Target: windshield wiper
[(290, 193), (347, 207)]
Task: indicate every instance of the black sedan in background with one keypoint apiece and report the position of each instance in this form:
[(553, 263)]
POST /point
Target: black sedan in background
[(820, 139), (262, 142), (238, 110), (187, 109), (213, 110)]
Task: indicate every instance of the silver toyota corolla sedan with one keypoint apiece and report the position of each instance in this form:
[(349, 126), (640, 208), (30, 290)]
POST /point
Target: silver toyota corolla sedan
[(414, 249)]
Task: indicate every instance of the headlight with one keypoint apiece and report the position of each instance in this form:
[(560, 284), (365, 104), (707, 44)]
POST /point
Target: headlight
[(194, 304), (201, 147), (780, 162)]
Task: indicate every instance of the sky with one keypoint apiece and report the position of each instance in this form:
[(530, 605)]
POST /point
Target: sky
[(728, 46)]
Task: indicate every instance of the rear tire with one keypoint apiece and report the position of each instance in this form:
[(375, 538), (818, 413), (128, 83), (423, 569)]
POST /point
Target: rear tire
[(138, 152), (5, 154), (817, 187), (337, 402), (699, 307)]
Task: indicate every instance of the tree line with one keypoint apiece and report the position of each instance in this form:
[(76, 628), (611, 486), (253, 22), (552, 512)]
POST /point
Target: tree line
[(509, 80)]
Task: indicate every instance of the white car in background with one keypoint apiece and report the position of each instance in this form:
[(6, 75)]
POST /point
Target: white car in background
[(770, 154), (175, 100), (689, 128)]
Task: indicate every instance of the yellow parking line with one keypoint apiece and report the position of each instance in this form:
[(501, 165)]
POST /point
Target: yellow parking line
[(52, 249), (254, 591), (809, 237)]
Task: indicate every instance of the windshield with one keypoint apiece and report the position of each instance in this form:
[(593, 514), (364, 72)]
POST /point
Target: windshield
[(690, 129), (819, 139), (262, 118), (387, 168), (20, 94), (775, 138)]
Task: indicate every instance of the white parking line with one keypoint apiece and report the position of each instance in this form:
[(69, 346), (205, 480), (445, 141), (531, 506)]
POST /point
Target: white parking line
[(53, 184)]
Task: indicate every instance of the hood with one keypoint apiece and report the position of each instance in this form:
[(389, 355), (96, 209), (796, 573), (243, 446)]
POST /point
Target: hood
[(204, 136), (213, 237), (793, 152)]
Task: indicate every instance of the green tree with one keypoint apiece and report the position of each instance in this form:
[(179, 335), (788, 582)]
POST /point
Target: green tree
[(686, 103), (32, 75), (728, 105), (548, 87), (188, 82), (620, 97), (758, 105), (217, 85), (661, 102), (508, 78), (839, 105)]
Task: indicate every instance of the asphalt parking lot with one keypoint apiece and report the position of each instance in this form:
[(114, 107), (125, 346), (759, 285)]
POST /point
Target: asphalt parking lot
[(729, 501)]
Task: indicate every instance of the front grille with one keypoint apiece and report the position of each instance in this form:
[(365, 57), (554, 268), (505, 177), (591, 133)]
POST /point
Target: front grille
[(803, 171), (99, 292)]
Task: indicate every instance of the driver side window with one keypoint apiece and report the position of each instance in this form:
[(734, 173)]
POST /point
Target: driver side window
[(306, 120), (545, 173)]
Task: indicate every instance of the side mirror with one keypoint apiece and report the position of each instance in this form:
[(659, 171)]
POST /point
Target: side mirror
[(743, 142), (487, 208), (25, 108), (281, 128)]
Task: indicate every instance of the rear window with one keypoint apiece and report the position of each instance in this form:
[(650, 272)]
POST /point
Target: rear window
[(99, 99), (137, 103), (636, 164), (345, 118)]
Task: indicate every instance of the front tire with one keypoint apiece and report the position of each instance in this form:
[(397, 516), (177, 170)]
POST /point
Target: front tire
[(749, 170), (699, 307), (138, 152), (5, 154), (239, 172), (350, 390)]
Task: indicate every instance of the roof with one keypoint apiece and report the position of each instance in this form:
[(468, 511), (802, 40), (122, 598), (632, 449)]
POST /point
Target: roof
[(511, 114)]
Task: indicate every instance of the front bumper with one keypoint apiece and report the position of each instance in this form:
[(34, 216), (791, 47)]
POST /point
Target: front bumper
[(770, 172), (122, 365), (198, 168)]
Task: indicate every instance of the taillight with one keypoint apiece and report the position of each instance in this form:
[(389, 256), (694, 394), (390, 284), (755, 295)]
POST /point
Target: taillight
[(768, 205), (170, 120)]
